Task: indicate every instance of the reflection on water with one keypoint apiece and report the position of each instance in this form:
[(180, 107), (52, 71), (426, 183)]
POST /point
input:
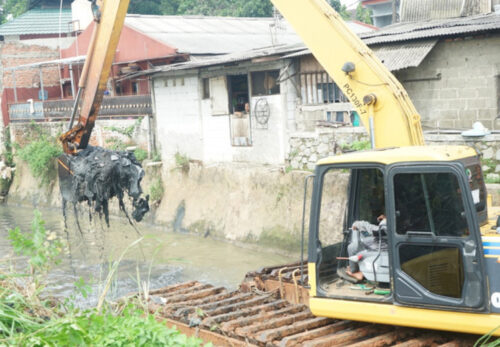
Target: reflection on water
[(162, 258)]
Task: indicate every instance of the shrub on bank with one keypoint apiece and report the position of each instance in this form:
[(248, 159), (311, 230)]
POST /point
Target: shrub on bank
[(39, 155), (29, 319)]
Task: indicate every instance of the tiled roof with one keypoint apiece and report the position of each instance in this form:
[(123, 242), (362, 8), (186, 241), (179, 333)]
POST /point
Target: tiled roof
[(433, 28), (39, 22)]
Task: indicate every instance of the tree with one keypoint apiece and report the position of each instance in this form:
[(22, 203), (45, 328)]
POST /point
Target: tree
[(14, 8), (341, 9), (145, 7), (364, 14)]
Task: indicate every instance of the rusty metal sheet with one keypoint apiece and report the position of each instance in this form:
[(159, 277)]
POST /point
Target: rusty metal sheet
[(251, 317)]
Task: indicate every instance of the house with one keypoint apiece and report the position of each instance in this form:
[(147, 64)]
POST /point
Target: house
[(33, 37), (455, 82), (242, 107), (387, 12), (382, 11), (146, 41)]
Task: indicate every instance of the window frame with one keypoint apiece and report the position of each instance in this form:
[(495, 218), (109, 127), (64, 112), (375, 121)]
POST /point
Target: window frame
[(268, 92)]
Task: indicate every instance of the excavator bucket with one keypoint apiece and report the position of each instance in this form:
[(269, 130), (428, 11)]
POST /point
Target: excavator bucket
[(96, 175)]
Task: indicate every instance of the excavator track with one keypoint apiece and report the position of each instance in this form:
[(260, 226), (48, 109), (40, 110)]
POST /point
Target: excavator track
[(251, 317)]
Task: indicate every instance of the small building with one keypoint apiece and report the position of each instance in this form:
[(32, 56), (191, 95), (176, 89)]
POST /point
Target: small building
[(243, 107)]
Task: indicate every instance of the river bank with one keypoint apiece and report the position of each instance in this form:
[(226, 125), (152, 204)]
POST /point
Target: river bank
[(246, 205)]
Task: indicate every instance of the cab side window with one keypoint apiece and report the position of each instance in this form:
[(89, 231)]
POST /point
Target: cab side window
[(429, 202)]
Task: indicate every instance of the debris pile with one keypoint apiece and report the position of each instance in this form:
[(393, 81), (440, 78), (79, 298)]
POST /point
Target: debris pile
[(96, 175)]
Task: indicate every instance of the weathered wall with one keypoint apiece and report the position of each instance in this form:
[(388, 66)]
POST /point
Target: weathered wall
[(468, 89), (186, 124), (307, 148), (235, 202), (103, 135)]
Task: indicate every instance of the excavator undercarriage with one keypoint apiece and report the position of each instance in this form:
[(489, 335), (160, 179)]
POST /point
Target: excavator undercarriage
[(265, 311)]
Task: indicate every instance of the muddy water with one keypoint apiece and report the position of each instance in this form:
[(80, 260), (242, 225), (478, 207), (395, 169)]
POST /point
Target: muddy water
[(161, 258)]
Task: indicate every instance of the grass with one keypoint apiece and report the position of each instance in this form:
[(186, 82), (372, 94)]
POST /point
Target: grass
[(140, 154), (28, 319), (156, 191), (40, 156), (356, 146)]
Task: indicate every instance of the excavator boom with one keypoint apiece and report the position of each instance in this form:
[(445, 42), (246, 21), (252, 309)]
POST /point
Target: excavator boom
[(365, 81), (109, 17)]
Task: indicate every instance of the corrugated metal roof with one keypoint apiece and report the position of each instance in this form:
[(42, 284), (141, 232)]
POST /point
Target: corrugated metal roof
[(418, 10), (433, 28), (212, 35), (200, 35), (401, 56), (394, 56), (38, 22), (227, 58)]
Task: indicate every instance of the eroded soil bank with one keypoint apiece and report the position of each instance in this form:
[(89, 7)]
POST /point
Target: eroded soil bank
[(255, 206)]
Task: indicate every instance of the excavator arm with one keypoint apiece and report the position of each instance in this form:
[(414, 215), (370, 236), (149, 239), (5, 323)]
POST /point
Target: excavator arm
[(381, 101), (109, 16)]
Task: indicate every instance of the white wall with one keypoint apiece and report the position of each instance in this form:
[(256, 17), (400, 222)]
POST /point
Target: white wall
[(185, 123), (178, 124)]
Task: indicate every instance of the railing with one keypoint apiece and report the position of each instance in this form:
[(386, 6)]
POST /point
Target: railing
[(58, 110)]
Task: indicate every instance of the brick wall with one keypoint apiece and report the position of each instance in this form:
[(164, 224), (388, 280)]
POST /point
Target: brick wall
[(466, 90), (16, 53)]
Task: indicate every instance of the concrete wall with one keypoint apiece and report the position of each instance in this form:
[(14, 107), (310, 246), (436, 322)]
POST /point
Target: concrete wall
[(468, 88), (103, 134), (186, 124)]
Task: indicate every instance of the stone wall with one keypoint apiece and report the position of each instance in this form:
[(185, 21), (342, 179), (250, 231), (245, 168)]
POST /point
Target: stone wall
[(308, 147)]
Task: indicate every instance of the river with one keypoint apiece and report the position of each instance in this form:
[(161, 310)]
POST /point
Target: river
[(161, 258)]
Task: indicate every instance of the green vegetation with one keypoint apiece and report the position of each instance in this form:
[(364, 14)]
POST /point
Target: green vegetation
[(116, 144), (140, 154), (237, 8), (182, 162), (156, 156), (40, 247), (363, 14), (156, 191), (127, 131), (14, 8), (355, 146), (341, 9), (484, 341), (28, 319), (489, 167), (40, 153)]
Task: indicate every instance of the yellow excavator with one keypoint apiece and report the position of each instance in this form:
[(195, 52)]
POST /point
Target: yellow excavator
[(400, 234)]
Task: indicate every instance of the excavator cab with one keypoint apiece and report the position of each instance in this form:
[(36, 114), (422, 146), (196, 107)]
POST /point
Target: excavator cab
[(428, 251)]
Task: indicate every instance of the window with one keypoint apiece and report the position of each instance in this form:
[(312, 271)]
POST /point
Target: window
[(206, 88), (332, 116), (429, 203), (318, 88), (239, 110), (135, 88), (265, 82)]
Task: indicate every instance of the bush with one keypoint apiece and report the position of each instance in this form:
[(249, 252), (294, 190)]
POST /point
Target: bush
[(40, 155), (28, 320), (156, 191), (140, 154)]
